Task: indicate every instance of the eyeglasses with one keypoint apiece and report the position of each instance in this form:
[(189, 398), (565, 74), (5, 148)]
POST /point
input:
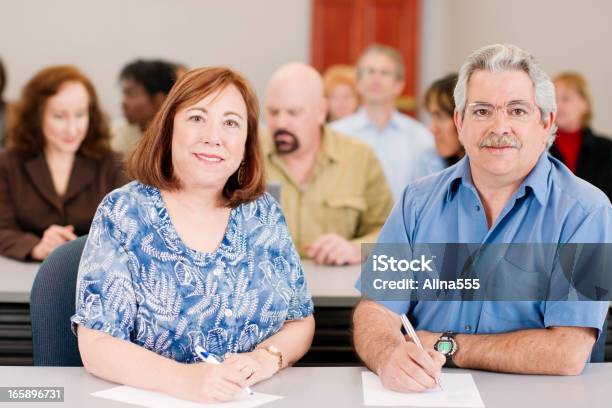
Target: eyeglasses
[(520, 111)]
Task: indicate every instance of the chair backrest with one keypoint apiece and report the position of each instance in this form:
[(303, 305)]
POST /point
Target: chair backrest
[(52, 304), (599, 354)]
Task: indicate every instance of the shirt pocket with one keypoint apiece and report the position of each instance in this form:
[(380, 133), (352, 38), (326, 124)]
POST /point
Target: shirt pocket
[(522, 274), (342, 214)]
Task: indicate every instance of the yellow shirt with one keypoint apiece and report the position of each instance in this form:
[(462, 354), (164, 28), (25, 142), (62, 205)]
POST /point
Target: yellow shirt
[(347, 192), (124, 136)]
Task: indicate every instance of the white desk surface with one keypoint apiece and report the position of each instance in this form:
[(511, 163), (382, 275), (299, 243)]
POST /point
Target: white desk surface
[(341, 387), (329, 285)]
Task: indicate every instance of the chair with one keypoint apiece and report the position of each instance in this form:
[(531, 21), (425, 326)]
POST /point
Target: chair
[(52, 304), (600, 349)]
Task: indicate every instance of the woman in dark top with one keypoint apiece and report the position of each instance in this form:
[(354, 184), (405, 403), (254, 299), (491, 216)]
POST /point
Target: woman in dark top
[(588, 155), (57, 165), (440, 104), (2, 104)]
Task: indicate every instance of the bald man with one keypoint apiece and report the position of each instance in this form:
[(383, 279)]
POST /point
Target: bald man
[(333, 191)]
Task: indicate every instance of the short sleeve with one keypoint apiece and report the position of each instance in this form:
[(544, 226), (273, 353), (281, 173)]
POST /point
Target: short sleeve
[(300, 302), (105, 294), (575, 314), (590, 270)]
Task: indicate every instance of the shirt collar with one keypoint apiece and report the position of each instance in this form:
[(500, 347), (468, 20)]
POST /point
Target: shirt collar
[(536, 180), (362, 120)]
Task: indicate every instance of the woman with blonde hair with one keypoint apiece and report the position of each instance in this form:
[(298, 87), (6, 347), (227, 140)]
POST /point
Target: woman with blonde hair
[(586, 154), (339, 82)]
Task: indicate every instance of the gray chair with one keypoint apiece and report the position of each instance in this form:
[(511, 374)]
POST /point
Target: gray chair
[(51, 305)]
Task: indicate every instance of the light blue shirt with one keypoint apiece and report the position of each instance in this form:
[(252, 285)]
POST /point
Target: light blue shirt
[(405, 147), (550, 206), (138, 281)]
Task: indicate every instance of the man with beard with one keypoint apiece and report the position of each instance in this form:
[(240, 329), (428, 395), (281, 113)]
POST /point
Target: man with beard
[(333, 190), (507, 189)]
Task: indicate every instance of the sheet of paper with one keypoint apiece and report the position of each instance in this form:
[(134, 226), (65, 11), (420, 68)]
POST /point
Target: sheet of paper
[(459, 391), (153, 399)]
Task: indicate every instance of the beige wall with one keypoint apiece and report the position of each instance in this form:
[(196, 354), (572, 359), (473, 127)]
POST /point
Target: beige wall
[(253, 36), (562, 34)]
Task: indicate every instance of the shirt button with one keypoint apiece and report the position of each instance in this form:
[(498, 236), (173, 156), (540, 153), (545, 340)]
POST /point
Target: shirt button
[(228, 313), (217, 272), (227, 355), (468, 328), (477, 208)]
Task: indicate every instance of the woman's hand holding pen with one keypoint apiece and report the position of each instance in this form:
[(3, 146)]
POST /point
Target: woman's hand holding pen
[(209, 383), (408, 368), (259, 365)]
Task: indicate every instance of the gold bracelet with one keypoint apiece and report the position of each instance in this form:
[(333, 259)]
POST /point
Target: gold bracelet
[(276, 353)]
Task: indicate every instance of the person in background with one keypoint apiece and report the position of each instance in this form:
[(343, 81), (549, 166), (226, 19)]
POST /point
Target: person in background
[(404, 146), (440, 104), (193, 253), (340, 91), (57, 165), (144, 84), (585, 153), (3, 105), (333, 189), (180, 69)]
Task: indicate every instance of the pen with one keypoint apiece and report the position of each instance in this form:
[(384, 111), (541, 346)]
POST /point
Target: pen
[(206, 357), (410, 331)]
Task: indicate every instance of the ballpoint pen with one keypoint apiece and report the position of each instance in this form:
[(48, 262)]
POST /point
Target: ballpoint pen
[(412, 333), (206, 357)]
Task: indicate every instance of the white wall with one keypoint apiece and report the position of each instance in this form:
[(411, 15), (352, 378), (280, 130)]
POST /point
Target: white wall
[(253, 36), (256, 36), (562, 34)]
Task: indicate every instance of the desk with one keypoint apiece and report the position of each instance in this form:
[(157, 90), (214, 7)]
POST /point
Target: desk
[(329, 285), (341, 387), (17, 278), (332, 289), (332, 286)]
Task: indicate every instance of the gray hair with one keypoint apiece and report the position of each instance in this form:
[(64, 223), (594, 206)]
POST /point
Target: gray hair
[(502, 58)]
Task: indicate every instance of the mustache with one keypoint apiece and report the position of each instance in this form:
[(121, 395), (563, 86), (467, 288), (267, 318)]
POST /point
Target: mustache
[(285, 146), (499, 141), (283, 132)]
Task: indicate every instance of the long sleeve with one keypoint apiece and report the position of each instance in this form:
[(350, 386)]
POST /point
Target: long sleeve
[(14, 242)]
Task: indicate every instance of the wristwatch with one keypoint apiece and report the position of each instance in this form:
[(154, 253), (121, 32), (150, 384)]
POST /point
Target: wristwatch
[(276, 353), (447, 345)]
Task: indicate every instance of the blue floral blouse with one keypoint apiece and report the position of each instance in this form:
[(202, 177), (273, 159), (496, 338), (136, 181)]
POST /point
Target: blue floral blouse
[(138, 281)]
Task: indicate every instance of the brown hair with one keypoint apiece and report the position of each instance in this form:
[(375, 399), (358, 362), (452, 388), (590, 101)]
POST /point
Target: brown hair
[(579, 83), (151, 161), (441, 92), (25, 135)]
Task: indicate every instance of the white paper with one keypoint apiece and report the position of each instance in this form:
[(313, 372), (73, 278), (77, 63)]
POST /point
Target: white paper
[(459, 390), (153, 399)]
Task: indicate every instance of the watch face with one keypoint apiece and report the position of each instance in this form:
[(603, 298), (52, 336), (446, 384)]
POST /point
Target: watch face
[(444, 346)]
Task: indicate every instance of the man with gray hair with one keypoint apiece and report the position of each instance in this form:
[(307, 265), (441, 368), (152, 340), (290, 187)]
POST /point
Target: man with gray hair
[(506, 190), (404, 146)]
